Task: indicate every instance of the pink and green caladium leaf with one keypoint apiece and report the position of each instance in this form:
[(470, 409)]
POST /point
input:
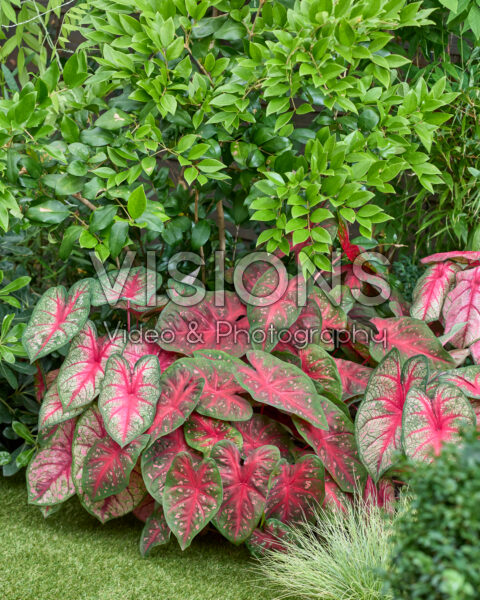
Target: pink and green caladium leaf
[(157, 459), (308, 327), (245, 488), (202, 433), (378, 422), (430, 422), (335, 498), (336, 447), (89, 430), (461, 306), (137, 285), (156, 531), (410, 337), (84, 367), (129, 397), (119, 504), (51, 411), (180, 392), (467, 379), (49, 474), (431, 290), (276, 383), (296, 491), (467, 257), (220, 398), (268, 539), (262, 431), (206, 326), (279, 308), (354, 377), (192, 496), (107, 467), (135, 350), (321, 367), (56, 319)]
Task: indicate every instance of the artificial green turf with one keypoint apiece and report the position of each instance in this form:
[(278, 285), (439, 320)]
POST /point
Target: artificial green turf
[(71, 556)]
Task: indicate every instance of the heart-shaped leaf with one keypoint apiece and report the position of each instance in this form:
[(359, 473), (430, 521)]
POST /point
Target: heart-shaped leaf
[(336, 447), (202, 433), (136, 285), (282, 385), (157, 459), (49, 474), (278, 308), (431, 290), (206, 325), (378, 423), (220, 397), (107, 467), (84, 367), (180, 392), (129, 397), (192, 496), (297, 490), (262, 431), (155, 533), (429, 422), (245, 488), (56, 319), (410, 337)]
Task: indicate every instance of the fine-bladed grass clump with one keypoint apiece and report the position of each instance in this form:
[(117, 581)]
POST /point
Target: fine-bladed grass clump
[(339, 556)]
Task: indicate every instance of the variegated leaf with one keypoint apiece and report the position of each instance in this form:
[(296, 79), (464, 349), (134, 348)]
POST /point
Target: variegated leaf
[(155, 533), (129, 397), (192, 496), (431, 290), (56, 319), (202, 433)]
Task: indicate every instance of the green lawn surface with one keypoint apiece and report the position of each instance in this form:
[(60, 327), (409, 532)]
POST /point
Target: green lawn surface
[(71, 556)]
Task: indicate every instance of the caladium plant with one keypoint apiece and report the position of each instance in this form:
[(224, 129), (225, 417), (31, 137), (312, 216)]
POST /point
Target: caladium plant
[(221, 431)]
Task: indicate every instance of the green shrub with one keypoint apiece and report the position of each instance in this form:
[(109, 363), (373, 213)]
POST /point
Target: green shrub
[(437, 551)]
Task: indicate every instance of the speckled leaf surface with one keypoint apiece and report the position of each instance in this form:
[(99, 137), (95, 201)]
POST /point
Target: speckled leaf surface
[(279, 308), (466, 379), (157, 459), (202, 433), (108, 465), (354, 377), (135, 350), (89, 430), (129, 396), (267, 539), (259, 431), (271, 381), (206, 326), (220, 397), (192, 496), (462, 305), (156, 531), (297, 490), (56, 319), (320, 366), (83, 369), (180, 392), (336, 447), (334, 497), (245, 488)]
